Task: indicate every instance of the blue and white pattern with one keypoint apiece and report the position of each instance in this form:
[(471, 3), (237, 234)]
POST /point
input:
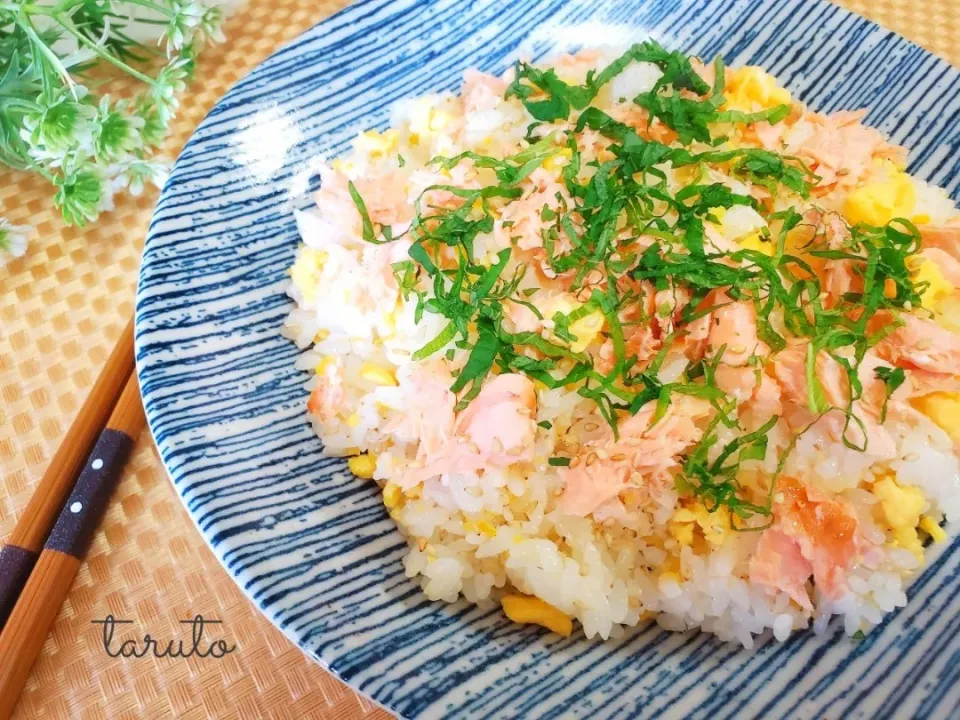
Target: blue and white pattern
[(311, 545)]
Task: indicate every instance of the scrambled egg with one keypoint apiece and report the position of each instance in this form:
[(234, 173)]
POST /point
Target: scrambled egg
[(877, 203), (714, 525), (428, 121), (324, 364), (526, 609), (376, 144), (739, 223), (347, 167), (305, 272), (363, 466), (681, 526), (484, 527), (426, 118), (948, 313), (392, 495), (586, 329), (554, 163), (378, 375), (671, 570), (743, 225), (902, 506), (932, 528), (938, 287), (944, 409), (750, 89), (755, 242)]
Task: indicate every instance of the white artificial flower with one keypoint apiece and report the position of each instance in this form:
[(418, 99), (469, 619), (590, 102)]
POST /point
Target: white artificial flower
[(170, 81), (13, 239), (133, 174), (48, 158), (116, 131), (211, 26), (187, 16), (64, 124), (147, 24), (89, 146)]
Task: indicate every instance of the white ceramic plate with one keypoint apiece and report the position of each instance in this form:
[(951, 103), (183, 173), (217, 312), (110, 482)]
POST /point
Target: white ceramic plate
[(311, 545)]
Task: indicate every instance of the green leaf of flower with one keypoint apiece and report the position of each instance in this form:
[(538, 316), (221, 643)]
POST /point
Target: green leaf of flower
[(56, 126), (154, 129), (79, 196), (114, 131), (52, 124), (169, 82)]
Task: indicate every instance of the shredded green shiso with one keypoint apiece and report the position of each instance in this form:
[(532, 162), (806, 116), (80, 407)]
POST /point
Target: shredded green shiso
[(623, 199)]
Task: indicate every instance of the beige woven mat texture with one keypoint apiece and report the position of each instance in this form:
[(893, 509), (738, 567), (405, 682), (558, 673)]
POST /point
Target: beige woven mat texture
[(62, 307)]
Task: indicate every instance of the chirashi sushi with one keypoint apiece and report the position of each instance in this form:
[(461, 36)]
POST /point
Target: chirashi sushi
[(629, 336)]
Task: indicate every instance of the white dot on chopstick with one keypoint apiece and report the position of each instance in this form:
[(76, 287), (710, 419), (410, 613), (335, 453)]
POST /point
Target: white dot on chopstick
[(97, 464), (76, 507)]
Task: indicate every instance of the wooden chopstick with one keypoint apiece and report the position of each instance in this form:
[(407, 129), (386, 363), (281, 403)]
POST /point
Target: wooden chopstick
[(47, 587), (20, 553)]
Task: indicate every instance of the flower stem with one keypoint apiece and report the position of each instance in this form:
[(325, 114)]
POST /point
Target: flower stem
[(49, 55), (152, 6), (84, 40)]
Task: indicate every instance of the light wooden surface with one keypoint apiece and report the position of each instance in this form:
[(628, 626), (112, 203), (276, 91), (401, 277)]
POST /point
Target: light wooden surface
[(24, 635), (128, 416), (41, 511), (62, 308), (49, 583)]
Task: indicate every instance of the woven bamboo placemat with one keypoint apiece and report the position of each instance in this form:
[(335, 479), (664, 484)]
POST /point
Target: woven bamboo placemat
[(61, 309)]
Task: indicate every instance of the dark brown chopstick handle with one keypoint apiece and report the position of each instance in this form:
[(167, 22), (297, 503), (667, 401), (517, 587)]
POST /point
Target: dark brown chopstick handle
[(16, 563), (82, 512), (47, 587), (77, 521), (50, 581), (22, 548), (43, 508), (79, 518)]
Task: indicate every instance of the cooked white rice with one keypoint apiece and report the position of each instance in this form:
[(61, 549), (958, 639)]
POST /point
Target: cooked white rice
[(481, 535)]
